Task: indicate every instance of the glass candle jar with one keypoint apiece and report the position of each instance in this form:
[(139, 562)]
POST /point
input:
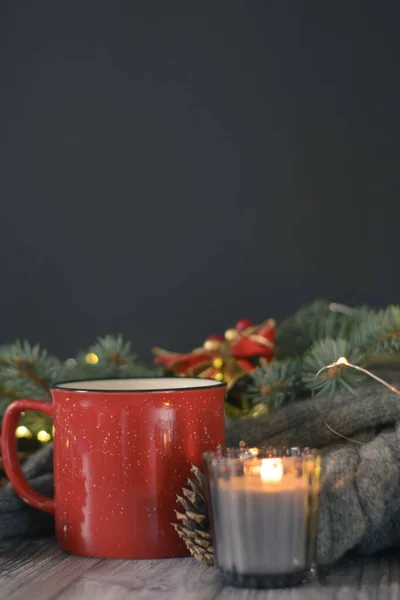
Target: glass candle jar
[(263, 514)]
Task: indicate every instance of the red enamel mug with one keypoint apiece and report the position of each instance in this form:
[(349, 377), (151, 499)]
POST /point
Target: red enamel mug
[(122, 451)]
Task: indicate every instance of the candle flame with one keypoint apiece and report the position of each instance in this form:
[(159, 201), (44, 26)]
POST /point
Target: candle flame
[(271, 469)]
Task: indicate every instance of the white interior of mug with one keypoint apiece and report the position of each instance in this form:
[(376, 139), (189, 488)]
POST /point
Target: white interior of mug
[(165, 384)]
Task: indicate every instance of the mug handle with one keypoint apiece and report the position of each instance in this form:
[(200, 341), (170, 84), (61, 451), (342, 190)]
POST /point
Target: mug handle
[(10, 457)]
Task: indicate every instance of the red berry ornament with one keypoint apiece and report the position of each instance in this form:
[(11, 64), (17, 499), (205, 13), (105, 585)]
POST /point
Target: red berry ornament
[(216, 336), (243, 324)]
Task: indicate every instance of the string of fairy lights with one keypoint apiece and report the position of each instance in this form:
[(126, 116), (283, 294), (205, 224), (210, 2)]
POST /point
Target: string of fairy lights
[(343, 363), (91, 358), (23, 432)]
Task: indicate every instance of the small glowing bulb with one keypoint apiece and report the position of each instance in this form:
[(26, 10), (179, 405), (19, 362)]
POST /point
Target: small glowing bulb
[(219, 376), (218, 362), (271, 469), (22, 432), (43, 436), (342, 361), (92, 358)]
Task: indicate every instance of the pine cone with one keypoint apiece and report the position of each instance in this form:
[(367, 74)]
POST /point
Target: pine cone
[(195, 527)]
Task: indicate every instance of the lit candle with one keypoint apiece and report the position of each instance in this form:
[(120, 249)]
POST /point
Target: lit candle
[(261, 520)]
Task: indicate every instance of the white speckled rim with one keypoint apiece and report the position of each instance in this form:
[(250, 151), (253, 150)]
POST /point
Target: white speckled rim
[(156, 384)]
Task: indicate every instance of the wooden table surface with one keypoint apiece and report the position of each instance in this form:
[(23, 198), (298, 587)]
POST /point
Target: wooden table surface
[(38, 570)]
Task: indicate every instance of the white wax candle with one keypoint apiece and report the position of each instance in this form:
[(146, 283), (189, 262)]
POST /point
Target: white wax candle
[(260, 525)]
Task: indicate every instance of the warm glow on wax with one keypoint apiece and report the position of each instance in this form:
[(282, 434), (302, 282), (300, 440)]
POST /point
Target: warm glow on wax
[(271, 469)]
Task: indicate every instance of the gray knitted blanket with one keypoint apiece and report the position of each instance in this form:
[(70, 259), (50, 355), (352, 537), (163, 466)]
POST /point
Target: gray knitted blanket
[(360, 485), (17, 518)]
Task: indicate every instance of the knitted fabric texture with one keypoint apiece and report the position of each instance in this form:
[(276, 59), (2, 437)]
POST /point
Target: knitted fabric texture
[(17, 518), (360, 484)]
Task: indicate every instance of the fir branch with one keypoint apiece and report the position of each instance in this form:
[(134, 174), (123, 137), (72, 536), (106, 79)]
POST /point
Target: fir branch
[(326, 352), (274, 384), (114, 354), (109, 357), (26, 371), (312, 322), (378, 333)]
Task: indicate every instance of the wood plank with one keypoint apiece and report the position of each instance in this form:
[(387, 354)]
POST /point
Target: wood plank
[(173, 579), (37, 569), (361, 579)]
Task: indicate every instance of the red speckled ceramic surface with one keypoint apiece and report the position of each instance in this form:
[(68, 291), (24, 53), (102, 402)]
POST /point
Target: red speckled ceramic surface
[(120, 458)]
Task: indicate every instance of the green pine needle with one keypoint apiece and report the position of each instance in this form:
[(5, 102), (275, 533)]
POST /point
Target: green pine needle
[(28, 370), (379, 332), (275, 383), (336, 379), (312, 322), (114, 359)]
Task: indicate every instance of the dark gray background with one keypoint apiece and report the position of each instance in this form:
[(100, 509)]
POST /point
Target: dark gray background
[(169, 167)]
